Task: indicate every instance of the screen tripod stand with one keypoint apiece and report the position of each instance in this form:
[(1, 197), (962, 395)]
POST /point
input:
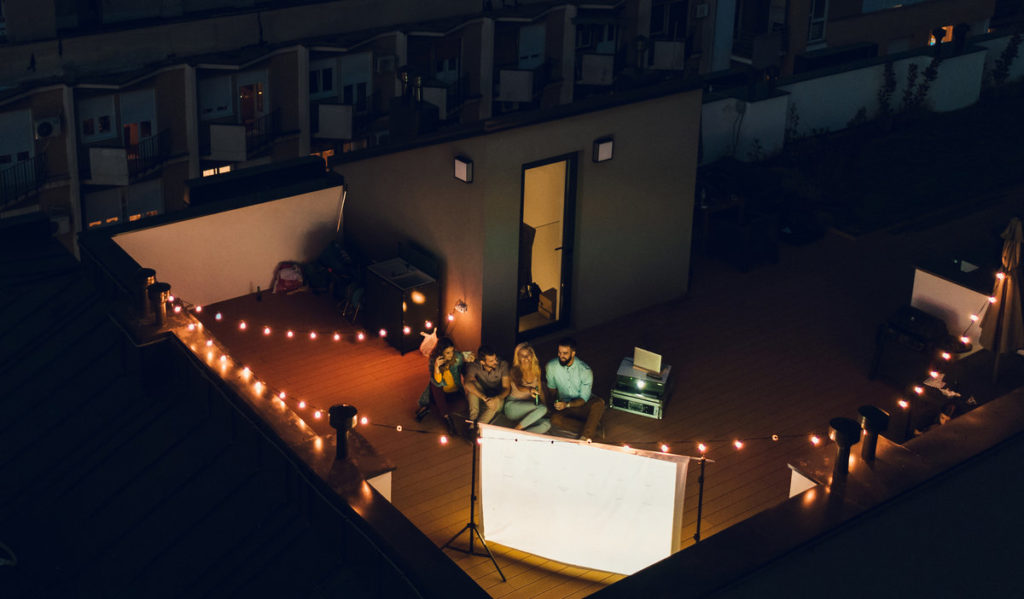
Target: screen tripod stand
[(471, 527)]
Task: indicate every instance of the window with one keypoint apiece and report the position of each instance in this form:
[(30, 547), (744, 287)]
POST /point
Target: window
[(668, 20), (209, 172), (321, 82), (215, 97), (96, 116), (946, 37), (818, 16)]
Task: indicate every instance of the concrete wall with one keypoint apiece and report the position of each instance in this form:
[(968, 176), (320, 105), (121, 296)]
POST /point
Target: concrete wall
[(224, 255), (633, 213)]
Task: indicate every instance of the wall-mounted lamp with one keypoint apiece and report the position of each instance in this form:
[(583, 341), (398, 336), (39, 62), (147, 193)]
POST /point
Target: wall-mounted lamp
[(463, 169), (603, 149)]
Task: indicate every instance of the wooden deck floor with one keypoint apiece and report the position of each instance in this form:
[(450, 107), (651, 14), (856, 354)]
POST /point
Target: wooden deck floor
[(779, 350)]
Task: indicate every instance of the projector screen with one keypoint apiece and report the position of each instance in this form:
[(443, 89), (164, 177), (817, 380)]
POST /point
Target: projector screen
[(595, 506)]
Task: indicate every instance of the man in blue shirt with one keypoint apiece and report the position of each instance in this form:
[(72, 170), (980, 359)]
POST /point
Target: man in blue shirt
[(576, 408)]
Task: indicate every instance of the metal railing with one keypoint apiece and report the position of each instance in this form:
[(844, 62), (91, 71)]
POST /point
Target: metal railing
[(148, 153), (22, 179), (260, 132)]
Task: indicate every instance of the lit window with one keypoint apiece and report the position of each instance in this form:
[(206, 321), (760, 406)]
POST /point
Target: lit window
[(217, 170), (946, 37)]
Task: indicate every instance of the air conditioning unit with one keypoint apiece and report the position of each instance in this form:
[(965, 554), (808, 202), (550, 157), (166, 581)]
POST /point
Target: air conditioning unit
[(701, 11), (47, 127)]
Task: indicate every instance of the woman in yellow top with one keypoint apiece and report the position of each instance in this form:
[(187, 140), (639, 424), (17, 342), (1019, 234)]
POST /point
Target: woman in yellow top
[(445, 381)]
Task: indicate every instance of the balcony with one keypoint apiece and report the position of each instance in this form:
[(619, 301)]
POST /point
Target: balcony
[(331, 121), (764, 45), (238, 142), (22, 180), (595, 69), (120, 165)]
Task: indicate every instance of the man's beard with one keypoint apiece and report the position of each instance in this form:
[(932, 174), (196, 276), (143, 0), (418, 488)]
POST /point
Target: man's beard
[(564, 362)]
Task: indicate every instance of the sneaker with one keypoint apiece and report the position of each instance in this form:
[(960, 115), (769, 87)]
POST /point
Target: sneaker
[(421, 412), (452, 432)]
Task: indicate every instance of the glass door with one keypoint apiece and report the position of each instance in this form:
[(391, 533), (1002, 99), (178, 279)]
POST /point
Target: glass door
[(545, 245)]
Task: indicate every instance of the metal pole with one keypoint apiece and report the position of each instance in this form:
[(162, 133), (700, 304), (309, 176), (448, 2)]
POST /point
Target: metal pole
[(700, 498)]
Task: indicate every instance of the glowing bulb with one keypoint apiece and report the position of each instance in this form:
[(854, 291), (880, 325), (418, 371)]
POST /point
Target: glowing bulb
[(266, 330), (991, 300), (918, 389), (965, 340), (417, 297), (281, 395), (775, 437), (702, 448), (191, 327), (451, 318), (241, 325), (427, 324), (640, 384), (289, 334), (170, 298), (223, 358), (1000, 275), (815, 440), (934, 374), (406, 330), (209, 343), (398, 428), (947, 356), (199, 308), (245, 371), (312, 336), (382, 333), (218, 316), (626, 447), (737, 444), (209, 355), (664, 448), (360, 336), (318, 414), (337, 337), (258, 386), (903, 404), (364, 421), (302, 404), (177, 309), (974, 317), (444, 440)]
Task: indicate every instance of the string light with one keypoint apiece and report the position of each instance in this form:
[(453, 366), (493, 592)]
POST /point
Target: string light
[(934, 374), (383, 333), (337, 337), (281, 395), (198, 308), (701, 447), (191, 327), (224, 358), (904, 404), (815, 440), (451, 317), (974, 317), (918, 389), (241, 325), (266, 330), (177, 309), (258, 386), (444, 440), (312, 336), (246, 372), (302, 404), (1000, 275), (406, 330), (737, 444), (218, 316), (170, 298), (428, 325), (360, 335), (290, 334), (947, 356), (209, 343), (965, 340), (664, 448), (318, 414), (992, 300), (364, 421)]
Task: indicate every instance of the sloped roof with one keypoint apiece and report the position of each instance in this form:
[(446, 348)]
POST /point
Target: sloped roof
[(125, 481)]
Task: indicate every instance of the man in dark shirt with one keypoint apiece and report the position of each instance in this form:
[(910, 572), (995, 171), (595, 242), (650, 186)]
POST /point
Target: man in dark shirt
[(486, 380)]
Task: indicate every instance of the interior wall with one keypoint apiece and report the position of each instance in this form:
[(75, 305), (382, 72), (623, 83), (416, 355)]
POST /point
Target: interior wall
[(224, 255), (543, 206)]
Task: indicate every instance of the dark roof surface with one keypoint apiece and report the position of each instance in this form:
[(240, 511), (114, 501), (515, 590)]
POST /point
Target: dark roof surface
[(119, 484)]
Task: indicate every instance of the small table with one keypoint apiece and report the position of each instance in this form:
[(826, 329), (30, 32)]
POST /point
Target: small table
[(640, 392)]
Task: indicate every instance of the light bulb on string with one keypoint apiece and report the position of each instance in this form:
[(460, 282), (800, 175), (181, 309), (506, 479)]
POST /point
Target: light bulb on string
[(241, 325), (302, 404), (312, 336), (177, 309), (246, 372), (974, 318), (364, 421), (947, 356), (624, 446), (318, 414), (934, 374), (965, 340), (451, 317), (904, 404), (815, 440), (444, 440), (209, 343), (991, 299), (170, 299), (664, 448), (290, 334), (406, 330), (775, 437), (198, 308), (337, 337), (191, 327), (281, 395), (258, 387), (209, 355), (702, 448), (398, 428), (918, 389), (218, 316), (737, 444), (360, 335), (266, 330), (1000, 275), (428, 325), (224, 358), (383, 333)]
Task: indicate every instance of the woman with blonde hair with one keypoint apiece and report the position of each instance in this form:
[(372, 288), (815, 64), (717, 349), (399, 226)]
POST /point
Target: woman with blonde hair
[(525, 403)]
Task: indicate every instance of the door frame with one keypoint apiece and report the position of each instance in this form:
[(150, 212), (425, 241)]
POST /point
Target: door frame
[(568, 242)]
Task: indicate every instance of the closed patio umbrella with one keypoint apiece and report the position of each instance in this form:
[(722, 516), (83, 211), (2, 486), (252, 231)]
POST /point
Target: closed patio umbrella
[(1002, 327)]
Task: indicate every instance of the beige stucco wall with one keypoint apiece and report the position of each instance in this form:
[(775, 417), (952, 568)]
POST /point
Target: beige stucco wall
[(633, 213), (228, 254)]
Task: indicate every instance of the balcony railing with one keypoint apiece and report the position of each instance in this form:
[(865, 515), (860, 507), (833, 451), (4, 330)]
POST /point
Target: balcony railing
[(260, 132), (743, 43), (120, 165), (22, 179)]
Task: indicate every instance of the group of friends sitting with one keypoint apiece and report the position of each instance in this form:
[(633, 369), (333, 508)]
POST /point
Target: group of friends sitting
[(562, 398)]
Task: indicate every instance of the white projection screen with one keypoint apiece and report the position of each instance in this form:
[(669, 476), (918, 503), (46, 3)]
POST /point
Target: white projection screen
[(595, 506)]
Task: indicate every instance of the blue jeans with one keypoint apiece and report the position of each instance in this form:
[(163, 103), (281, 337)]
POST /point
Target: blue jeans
[(527, 415)]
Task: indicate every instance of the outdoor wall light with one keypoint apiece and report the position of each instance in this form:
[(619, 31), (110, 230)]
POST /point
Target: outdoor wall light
[(463, 169), (603, 149)]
